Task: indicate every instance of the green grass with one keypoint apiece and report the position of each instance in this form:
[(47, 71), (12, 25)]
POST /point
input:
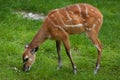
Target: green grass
[(16, 31)]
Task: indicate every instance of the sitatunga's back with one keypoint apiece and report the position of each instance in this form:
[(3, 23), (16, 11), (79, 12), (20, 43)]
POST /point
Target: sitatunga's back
[(74, 19)]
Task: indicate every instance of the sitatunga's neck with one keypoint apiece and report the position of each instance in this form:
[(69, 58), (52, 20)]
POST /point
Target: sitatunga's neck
[(39, 38)]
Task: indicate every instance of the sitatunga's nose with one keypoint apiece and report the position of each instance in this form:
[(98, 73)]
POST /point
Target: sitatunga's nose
[(26, 68)]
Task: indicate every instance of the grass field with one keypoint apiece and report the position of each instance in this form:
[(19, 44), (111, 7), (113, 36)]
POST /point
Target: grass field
[(16, 31)]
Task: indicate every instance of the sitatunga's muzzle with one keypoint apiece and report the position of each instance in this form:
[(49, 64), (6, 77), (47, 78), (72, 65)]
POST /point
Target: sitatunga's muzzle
[(26, 68)]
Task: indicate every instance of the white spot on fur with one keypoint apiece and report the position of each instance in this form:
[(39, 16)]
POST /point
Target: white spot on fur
[(99, 19), (26, 46), (89, 29), (83, 19), (30, 59), (85, 24), (26, 57), (52, 15), (92, 9), (95, 11), (94, 25)]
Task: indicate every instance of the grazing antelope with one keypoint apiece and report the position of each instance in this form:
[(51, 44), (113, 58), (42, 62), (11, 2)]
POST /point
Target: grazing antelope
[(59, 24)]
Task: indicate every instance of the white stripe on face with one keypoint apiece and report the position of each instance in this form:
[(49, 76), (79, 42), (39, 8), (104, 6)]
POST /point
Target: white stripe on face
[(26, 57)]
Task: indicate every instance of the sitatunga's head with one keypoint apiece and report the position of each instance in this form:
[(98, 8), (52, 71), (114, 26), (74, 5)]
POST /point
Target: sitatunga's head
[(28, 57)]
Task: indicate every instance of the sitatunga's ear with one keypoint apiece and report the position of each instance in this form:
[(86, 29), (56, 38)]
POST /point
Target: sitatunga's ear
[(34, 50)]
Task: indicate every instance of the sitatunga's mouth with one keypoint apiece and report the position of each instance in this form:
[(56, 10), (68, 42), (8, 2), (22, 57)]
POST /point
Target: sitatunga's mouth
[(26, 68)]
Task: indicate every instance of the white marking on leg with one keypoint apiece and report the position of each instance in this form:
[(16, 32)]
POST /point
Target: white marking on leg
[(97, 68), (59, 65), (74, 67), (78, 6), (95, 71), (75, 71), (97, 47), (87, 35)]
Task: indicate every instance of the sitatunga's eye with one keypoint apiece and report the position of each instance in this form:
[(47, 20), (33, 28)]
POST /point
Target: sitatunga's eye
[(25, 59)]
